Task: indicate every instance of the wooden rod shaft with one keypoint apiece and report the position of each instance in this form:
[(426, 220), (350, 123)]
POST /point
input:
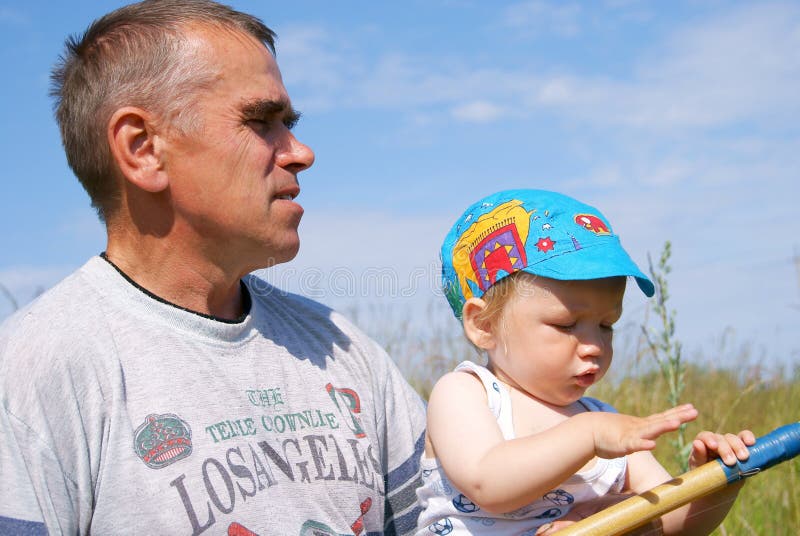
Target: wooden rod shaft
[(639, 509)]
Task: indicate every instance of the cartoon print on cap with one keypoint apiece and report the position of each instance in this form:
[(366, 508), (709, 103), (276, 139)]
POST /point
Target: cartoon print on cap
[(543, 233), (592, 223), (545, 244), (494, 242)]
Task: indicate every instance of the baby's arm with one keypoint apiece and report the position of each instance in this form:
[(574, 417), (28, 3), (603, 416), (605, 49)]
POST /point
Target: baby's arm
[(703, 515), (500, 475)]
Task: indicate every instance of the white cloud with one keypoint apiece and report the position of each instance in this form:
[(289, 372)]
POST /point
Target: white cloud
[(324, 71), (318, 63), (738, 64), (737, 67), (715, 72), (399, 81), (670, 173), (539, 17), (604, 176), (556, 90), (478, 112)]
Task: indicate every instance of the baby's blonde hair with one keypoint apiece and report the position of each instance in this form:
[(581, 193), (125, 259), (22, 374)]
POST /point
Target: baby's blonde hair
[(500, 294)]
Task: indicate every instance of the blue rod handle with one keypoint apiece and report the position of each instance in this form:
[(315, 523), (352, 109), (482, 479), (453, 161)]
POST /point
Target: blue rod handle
[(777, 446)]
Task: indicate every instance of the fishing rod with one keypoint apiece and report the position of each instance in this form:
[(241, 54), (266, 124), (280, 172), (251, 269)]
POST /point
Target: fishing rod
[(776, 447)]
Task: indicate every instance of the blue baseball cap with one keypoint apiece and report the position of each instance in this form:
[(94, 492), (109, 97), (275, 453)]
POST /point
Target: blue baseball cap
[(535, 231)]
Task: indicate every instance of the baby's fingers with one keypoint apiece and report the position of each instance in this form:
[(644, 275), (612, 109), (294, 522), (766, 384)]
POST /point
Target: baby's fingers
[(669, 420), (739, 444), (683, 413), (730, 448), (733, 447), (699, 454), (748, 437)]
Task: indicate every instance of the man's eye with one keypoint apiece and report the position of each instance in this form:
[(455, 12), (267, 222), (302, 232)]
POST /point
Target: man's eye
[(291, 122), (607, 327), (263, 124)]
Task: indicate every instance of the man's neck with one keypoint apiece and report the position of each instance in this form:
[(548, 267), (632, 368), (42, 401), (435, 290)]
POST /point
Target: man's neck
[(178, 277)]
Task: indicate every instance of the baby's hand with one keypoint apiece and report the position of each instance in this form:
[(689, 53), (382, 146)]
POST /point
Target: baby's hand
[(728, 447), (617, 435)]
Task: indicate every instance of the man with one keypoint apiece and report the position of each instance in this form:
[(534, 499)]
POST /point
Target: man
[(160, 389)]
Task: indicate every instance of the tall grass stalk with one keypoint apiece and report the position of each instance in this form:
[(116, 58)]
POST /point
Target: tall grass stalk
[(666, 348)]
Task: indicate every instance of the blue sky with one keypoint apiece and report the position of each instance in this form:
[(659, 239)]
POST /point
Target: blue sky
[(678, 119)]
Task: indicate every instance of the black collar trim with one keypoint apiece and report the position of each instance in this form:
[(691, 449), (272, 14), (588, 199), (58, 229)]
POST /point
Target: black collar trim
[(247, 302)]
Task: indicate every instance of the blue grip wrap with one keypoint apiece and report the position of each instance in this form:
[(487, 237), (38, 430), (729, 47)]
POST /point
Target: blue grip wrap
[(777, 446)]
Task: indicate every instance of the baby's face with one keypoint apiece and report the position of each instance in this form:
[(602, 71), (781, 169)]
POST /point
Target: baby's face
[(554, 338)]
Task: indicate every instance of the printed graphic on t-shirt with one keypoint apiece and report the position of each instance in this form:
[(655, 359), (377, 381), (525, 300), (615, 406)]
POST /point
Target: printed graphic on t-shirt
[(162, 440), (348, 400), (274, 444), (317, 528), (236, 529)]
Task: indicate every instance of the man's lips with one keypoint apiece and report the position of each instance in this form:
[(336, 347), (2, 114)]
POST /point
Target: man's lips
[(288, 194)]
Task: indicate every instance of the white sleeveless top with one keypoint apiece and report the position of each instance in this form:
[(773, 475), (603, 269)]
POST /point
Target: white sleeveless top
[(445, 510)]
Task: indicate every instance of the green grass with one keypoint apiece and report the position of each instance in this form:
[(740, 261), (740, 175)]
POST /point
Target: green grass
[(730, 401)]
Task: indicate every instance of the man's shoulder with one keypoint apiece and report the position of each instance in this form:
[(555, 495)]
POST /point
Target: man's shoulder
[(73, 293), (312, 317), (55, 316), (266, 294), (291, 305)]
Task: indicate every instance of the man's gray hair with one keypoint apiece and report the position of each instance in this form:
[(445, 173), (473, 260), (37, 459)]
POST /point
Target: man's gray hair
[(138, 55)]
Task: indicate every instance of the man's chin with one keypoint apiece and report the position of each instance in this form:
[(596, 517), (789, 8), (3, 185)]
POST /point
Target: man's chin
[(283, 255)]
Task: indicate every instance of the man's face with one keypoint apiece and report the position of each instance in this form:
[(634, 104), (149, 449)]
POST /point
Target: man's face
[(233, 179)]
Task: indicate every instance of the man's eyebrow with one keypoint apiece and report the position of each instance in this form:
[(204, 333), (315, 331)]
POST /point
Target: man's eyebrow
[(268, 109)]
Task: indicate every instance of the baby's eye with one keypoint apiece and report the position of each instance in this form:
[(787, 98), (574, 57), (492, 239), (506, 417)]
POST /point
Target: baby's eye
[(563, 326)]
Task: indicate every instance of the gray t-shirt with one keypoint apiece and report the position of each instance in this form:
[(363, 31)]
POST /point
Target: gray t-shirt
[(122, 414)]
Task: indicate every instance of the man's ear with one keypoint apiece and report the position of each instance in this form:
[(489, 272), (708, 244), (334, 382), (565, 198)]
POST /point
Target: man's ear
[(479, 332), (136, 148)]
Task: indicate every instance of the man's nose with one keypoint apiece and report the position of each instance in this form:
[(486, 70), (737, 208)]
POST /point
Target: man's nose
[(295, 155)]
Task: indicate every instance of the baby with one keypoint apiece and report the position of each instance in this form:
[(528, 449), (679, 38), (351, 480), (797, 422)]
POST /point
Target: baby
[(537, 279)]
